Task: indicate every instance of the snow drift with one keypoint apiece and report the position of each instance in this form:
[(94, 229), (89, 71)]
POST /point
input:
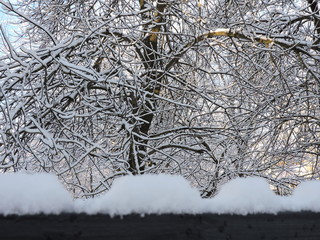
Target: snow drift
[(146, 194), (22, 193), (246, 195), (42, 193)]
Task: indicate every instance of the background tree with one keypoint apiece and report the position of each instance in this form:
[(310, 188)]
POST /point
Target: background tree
[(206, 89)]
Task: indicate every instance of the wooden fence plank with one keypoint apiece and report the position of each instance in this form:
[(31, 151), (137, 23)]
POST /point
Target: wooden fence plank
[(300, 226)]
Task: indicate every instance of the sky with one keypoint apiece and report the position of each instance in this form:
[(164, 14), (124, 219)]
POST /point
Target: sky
[(7, 23)]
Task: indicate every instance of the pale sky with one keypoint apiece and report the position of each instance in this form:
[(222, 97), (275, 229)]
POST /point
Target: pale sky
[(6, 22)]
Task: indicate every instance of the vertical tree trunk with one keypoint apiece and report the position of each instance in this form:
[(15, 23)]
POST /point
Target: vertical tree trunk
[(152, 86)]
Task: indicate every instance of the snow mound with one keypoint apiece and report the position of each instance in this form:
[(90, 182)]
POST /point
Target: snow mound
[(152, 194), (244, 196), (306, 197), (147, 194), (22, 193)]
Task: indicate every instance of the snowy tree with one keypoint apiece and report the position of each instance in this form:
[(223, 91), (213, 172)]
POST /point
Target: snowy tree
[(208, 89)]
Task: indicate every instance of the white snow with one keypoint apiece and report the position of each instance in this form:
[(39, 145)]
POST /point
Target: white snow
[(306, 197), (146, 194), (22, 193), (244, 196)]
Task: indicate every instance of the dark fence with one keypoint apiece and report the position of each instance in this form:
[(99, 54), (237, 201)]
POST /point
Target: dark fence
[(302, 226)]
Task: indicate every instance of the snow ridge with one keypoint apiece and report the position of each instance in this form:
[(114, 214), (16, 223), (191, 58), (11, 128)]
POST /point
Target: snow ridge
[(22, 193)]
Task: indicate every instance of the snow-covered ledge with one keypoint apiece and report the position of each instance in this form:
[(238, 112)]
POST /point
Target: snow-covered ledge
[(23, 194), (156, 207)]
